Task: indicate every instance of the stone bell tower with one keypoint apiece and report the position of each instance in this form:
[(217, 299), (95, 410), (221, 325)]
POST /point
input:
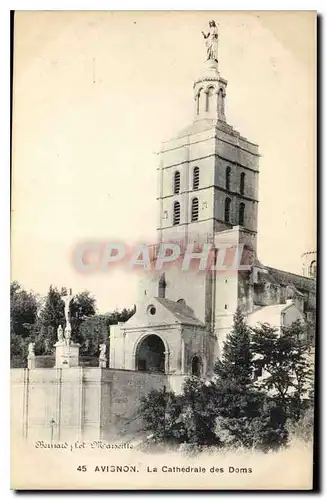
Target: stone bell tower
[(208, 193), (208, 173)]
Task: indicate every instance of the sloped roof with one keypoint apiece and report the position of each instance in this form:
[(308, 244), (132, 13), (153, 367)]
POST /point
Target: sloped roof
[(265, 277), (184, 314), (204, 124), (301, 283), (197, 127)]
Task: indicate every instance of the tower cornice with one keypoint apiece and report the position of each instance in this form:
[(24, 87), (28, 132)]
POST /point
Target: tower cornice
[(210, 78)]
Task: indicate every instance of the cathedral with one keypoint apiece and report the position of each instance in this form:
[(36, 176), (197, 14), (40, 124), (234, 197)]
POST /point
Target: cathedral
[(208, 193)]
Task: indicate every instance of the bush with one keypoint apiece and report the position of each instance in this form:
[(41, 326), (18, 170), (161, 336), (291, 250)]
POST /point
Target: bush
[(304, 427), (235, 409)]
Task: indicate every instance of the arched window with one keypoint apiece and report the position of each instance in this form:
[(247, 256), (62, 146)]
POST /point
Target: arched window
[(177, 182), (176, 213), (227, 185), (227, 209), (241, 214), (242, 183), (162, 287), (221, 104), (195, 209), (313, 269), (209, 98), (199, 101), (196, 177), (198, 104)]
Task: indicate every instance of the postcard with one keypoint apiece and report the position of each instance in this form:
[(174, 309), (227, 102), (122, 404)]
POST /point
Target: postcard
[(164, 255)]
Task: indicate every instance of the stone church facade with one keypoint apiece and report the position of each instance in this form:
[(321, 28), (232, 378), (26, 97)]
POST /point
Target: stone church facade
[(208, 193)]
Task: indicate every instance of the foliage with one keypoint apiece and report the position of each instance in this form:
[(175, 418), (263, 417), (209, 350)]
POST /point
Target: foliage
[(199, 411), (185, 418), (120, 316), (51, 316), (236, 365), (246, 416), (93, 331), (82, 306), (35, 319), (18, 345), (23, 310), (285, 361), (231, 409), (303, 429), (160, 411)]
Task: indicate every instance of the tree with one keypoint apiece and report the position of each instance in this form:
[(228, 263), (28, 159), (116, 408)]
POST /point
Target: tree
[(82, 306), (199, 412), (236, 365), (119, 316), (285, 361), (23, 310), (93, 332), (160, 411), (51, 316), (23, 317), (246, 416), (185, 418)]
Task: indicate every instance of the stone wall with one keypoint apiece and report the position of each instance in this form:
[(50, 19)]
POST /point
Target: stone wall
[(127, 387), (77, 403)]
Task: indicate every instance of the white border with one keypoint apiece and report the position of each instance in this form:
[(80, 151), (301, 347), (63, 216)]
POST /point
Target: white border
[(5, 7)]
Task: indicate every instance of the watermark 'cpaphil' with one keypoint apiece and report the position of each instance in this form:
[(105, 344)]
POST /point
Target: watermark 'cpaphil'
[(99, 256)]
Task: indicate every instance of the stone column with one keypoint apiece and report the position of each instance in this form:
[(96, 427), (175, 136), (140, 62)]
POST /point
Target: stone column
[(167, 361), (182, 356)]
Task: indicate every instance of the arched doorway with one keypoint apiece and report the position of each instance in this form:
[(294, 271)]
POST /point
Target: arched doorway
[(196, 366), (150, 355)]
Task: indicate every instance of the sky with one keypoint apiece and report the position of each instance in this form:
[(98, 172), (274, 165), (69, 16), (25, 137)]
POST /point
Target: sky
[(95, 93)]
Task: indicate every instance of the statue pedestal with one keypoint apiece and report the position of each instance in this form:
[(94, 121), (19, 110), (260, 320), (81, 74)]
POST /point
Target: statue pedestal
[(67, 355), (31, 362), (102, 363), (212, 66)]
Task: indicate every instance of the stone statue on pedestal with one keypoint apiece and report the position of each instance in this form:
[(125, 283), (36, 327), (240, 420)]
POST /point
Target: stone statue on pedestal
[(60, 334), (211, 41), (31, 358), (103, 349), (102, 356), (68, 333), (31, 347)]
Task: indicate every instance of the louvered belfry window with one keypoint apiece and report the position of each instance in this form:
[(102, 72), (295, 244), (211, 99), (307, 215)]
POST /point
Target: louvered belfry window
[(195, 209), (176, 213), (196, 178), (177, 182)]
